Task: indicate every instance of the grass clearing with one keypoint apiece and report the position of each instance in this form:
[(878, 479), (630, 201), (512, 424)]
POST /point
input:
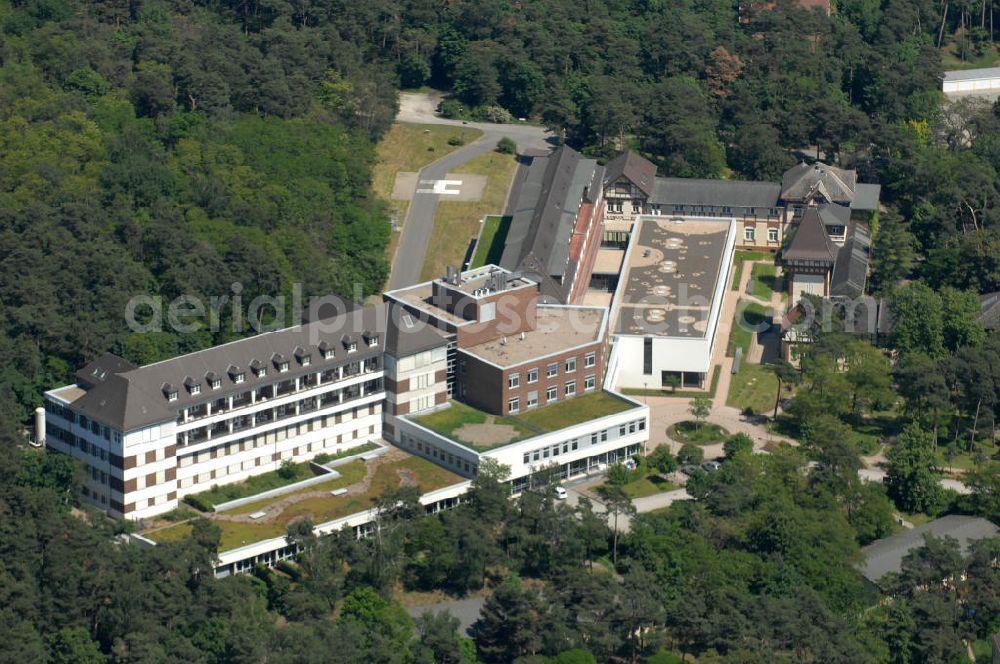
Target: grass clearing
[(763, 278), (699, 433), (408, 148), (749, 316), (650, 485), (457, 222), (754, 387), (350, 473), (951, 58), (531, 423), (449, 420), (740, 257), (252, 485), (320, 509), (491, 240)]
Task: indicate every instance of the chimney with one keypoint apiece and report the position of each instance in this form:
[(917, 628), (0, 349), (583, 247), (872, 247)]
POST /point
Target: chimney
[(451, 274), (40, 427)]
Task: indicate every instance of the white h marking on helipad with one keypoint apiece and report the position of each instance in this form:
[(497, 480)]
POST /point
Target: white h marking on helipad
[(441, 187)]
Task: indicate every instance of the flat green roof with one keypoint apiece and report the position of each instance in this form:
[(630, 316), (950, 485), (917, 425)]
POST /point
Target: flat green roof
[(483, 432)]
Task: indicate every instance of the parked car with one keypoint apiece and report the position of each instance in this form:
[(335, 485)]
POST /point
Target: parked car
[(689, 469), (560, 493), (711, 466)]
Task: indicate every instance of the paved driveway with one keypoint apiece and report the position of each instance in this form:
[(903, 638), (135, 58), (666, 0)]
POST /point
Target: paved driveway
[(419, 223)]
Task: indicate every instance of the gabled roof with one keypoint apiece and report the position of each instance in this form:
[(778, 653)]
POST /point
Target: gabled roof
[(834, 215), (850, 272), (640, 171), (810, 241), (886, 555), (803, 181), (538, 241), (715, 193), (135, 397)]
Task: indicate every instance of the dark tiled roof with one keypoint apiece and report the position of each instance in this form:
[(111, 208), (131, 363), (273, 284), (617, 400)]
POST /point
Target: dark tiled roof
[(810, 241), (715, 193), (850, 272), (102, 369), (538, 241), (886, 555), (137, 397), (800, 182), (639, 170), (834, 215), (866, 197)]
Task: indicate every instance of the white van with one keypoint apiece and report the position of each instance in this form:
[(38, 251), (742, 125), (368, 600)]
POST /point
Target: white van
[(560, 493)]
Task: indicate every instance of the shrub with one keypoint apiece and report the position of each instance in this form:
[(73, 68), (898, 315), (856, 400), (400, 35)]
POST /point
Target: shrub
[(662, 460), (451, 109), (690, 454), (456, 140), (618, 474), (506, 146), (287, 470), (323, 457), (737, 444), (199, 504)]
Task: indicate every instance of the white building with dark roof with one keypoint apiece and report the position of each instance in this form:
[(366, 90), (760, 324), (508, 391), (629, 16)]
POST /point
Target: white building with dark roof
[(150, 435)]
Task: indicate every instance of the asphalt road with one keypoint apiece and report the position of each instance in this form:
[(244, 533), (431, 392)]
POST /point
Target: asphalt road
[(419, 221)]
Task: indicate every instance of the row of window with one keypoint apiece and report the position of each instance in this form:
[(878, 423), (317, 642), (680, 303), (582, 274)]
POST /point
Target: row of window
[(284, 411), (84, 422), (445, 457), (551, 394), (552, 369), (275, 435), (564, 447), (750, 234)]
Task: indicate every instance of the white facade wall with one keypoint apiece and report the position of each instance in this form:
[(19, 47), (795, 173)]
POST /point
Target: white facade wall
[(688, 354), (991, 84), (592, 438), (421, 371)]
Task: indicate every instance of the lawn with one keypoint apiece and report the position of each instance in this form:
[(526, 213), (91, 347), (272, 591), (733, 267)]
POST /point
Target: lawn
[(321, 509), (574, 411), (492, 238), (740, 257), (753, 315), (762, 277), (754, 387), (706, 433), (457, 222), (650, 485), (350, 473), (952, 60), (408, 148), (964, 460), (448, 420), (251, 486), (527, 424)]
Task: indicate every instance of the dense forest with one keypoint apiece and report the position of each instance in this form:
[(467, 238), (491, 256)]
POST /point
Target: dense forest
[(173, 147), (168, 147)]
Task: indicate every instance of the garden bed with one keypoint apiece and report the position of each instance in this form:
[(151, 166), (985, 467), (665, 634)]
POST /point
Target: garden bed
[(707, 433)]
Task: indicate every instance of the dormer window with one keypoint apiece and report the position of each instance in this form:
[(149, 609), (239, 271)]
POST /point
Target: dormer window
[(304, 358), (371, 338), (280, 362), (169, 391), (213, 380), (326, 350), (236, 374), (258, 368), (350, 343), (193, 386)]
